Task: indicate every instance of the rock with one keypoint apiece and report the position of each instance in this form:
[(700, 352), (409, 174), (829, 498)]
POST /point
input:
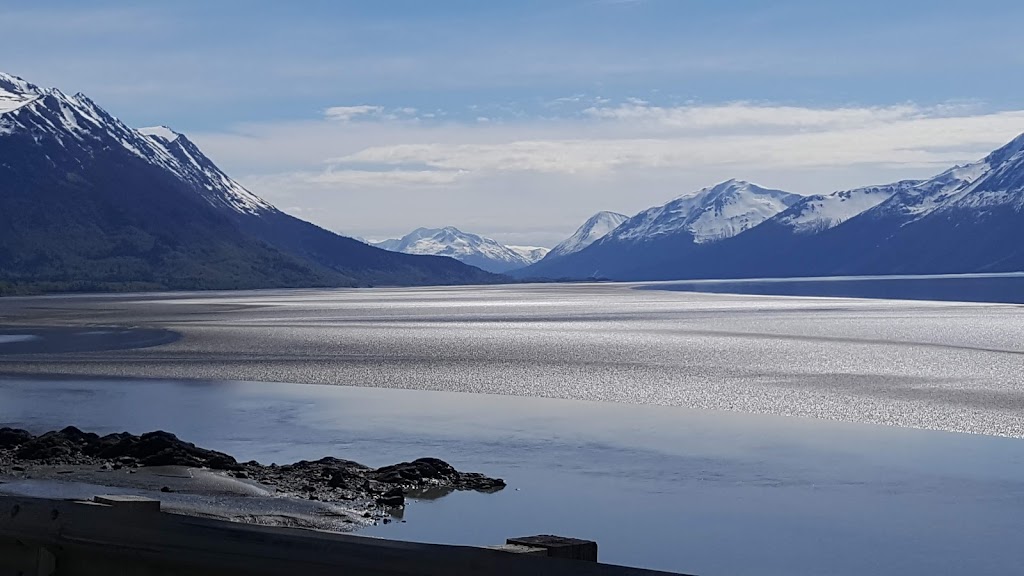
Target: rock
[(13, 437), (52, 446), (394, 497), (327, 479), (434, 472), (479, 482), (160, 449)]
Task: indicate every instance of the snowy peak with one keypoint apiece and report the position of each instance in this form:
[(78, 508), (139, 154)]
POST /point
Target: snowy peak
[(77, 122), (596, 227), (480, 251), (15, 92), (1008, 153), (708, 215), (820, 212), (1001, 185), (995, 180)]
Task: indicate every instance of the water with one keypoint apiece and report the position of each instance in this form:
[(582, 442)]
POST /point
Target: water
[(712, 493), (939, 365), (1004, 288), (734, 433)]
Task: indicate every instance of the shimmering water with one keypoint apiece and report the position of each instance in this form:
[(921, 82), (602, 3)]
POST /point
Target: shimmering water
[(941, 365), (693, 461)]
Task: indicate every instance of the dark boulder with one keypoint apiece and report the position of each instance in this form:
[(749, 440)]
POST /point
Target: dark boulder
[(434, 472), (64, 446), (160, 449), (393, 498), (13, 437)]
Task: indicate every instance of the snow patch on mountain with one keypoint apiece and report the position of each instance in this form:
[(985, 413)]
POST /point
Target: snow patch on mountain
[(823, 211), (160, 132), (530, 253), (15, 93), (184, 158), (708, 215), (596, 227)]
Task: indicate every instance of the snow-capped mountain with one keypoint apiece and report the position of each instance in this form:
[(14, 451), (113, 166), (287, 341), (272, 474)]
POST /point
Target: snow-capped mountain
[(709, 215), (704, 217), (596, 227), (1001, 185), (996, 180), (820, 212), (482, 252), (49, 111), (966, 219), (89, 202)]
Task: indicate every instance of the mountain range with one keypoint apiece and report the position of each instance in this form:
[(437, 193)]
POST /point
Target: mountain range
[(966, 219), (484, 253), (89, 203), (489, 254)]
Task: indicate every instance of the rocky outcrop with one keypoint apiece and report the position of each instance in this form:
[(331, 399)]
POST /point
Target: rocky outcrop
[(328, 479)]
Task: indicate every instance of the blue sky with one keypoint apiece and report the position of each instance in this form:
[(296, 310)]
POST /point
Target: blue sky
[(519, 119)]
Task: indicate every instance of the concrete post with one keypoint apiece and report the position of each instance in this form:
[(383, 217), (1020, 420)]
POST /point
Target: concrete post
[(560, 546)]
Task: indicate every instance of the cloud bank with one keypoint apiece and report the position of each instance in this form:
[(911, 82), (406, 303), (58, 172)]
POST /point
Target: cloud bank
[(577, 161)]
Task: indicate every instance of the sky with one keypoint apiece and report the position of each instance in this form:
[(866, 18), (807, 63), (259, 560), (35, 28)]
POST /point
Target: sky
[(520, 119)]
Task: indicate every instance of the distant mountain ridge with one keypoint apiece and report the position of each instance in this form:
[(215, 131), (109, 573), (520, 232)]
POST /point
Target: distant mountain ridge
[(966, 219), (88, 203), (709, 215), (596, 227), (480, 251), (705, 216)]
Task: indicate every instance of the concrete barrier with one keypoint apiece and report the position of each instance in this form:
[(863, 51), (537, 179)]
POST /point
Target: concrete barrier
[(118, 535)]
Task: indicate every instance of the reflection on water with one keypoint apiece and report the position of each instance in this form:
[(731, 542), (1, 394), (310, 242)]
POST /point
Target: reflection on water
[(697, 491), (12, 338), (1008, 288)]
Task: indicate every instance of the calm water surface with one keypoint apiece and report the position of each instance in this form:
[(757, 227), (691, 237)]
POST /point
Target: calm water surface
[(664, 487)]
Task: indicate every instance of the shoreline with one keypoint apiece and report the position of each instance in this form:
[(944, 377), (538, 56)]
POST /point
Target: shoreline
[(329, 493)]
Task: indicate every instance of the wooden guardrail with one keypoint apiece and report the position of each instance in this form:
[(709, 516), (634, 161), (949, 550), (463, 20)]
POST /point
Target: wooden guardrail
[(118, 535)]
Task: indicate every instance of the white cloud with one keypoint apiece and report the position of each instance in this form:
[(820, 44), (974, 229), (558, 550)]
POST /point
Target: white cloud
[(383, 178), (733, 135), (752, 116), (348, 113)]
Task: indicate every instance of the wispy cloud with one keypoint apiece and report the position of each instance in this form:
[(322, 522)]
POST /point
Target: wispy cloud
[(348, 113), (751, 116), (383, 178), (745, 136)]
